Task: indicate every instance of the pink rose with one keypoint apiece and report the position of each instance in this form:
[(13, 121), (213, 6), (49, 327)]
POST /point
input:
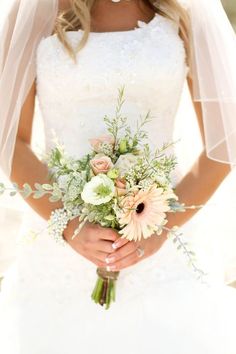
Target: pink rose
[(120, 184), (96, 143), (101, 164)]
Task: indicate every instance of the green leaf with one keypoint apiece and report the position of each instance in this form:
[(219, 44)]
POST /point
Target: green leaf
[(192, 253), (123, 146), (109, 217), (54, 198), (2, 188), (38, 194), (15, 185), (47, 187), (38, 186), (27, 190), (57, 154)]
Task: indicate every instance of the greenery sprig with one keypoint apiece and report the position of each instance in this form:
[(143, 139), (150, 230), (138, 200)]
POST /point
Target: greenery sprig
[(183, 246), (40, 191)]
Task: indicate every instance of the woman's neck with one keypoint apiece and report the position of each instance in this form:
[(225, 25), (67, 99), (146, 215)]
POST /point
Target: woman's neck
[(120, 16)]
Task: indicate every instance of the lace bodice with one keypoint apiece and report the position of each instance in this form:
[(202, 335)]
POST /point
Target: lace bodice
[(148, 60)]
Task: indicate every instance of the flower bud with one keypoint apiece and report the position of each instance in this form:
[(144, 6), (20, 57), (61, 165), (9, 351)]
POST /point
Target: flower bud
[(113, 173), (123, 146)]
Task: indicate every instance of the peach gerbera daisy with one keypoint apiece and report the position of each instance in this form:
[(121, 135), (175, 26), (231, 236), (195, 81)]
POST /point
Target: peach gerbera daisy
[(143, 211)]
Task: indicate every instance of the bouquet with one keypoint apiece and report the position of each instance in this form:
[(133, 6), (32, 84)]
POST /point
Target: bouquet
[(119, 184)]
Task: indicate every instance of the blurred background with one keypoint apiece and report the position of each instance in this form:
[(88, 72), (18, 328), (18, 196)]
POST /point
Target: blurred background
[(12, 210), (230, 7)]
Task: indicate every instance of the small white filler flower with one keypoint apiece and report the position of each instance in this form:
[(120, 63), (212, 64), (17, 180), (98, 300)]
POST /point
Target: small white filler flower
[(99, 190), (125, 163)]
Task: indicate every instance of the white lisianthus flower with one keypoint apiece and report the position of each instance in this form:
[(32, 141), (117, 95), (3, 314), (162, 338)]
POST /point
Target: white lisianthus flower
[(99, 190), (125, 162)]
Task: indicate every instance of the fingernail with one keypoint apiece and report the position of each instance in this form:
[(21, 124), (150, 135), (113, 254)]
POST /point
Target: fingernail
[(110, 259), (110, 268), (116, 245)]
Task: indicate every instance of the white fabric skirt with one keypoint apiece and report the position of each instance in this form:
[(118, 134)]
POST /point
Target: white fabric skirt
[(46, 308)]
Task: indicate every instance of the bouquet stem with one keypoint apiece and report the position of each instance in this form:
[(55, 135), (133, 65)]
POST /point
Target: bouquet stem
[(104, 292)]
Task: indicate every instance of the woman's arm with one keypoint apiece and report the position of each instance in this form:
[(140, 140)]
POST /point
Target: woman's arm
[(202, 180), (26, 167), (197, 186), (93, 242)]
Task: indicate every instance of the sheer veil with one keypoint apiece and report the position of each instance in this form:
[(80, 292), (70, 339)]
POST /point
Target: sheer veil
[(214, 76), (24, 23)]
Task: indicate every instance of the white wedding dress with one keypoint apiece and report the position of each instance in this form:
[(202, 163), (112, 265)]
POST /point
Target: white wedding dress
[(45, 305)]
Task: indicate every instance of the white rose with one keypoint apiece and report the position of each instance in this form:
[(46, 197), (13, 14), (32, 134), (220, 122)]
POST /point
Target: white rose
[(125, 162), (99, 190)]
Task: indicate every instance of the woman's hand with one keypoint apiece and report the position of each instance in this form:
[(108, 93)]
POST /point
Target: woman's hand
[(94, 242), (127, 254)]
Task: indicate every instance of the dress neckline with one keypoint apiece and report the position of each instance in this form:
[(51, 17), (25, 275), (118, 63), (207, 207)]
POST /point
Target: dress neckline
[(140, 24)]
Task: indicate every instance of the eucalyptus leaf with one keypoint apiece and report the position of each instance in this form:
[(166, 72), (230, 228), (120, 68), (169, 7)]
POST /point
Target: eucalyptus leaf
[(57, 193), (38, 194), (54, 198), (2, 188), (15, 185), (27, 190), (38, 186), (47, 187), (27, 186), (192, 253)]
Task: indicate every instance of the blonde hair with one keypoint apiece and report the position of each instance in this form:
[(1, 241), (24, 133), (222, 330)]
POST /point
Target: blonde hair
[(78, 16)]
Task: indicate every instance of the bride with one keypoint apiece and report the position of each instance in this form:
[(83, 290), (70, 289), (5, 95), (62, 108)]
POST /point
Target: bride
[(93, 48)]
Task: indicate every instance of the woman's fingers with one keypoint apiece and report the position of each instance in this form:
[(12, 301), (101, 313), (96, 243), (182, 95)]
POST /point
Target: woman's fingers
[(125, 262), (120, 242), (100, 256), (104, 246), (97, 258), (128, 248), (104, 252), (108, 234), (97, 262)]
